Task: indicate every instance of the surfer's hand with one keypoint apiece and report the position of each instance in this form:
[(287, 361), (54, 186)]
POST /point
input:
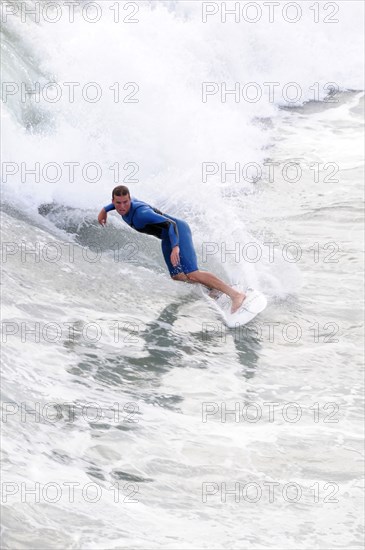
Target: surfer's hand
[(102, 217), (175, 256)]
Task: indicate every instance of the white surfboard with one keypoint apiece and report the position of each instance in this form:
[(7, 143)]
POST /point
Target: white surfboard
[(254, 303)]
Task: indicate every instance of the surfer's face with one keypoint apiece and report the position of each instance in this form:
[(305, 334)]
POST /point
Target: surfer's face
[(122, 204)]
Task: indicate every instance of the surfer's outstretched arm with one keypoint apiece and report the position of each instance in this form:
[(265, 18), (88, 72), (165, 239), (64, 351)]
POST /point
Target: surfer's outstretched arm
[(102, 217), (103, 214)]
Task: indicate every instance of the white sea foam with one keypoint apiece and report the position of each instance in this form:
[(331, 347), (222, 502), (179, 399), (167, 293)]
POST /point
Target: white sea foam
[(170, 132)]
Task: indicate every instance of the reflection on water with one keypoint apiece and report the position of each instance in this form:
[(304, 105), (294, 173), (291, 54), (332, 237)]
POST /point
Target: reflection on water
[(163, 348), (248, 348)]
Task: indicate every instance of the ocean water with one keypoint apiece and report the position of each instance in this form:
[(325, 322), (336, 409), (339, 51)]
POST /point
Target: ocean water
[(131, 416)]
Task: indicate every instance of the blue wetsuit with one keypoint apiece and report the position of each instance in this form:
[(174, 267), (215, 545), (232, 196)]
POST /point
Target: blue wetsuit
[(172, 232)]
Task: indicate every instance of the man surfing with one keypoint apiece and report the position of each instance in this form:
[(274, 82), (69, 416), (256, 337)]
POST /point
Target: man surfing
[(176, 241)]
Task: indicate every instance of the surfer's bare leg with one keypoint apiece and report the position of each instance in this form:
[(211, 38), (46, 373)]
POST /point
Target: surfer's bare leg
[(182, 277), (211, 281)]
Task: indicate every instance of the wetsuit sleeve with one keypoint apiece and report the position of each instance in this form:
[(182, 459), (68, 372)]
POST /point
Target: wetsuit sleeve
[(109, 207), (147, 216)]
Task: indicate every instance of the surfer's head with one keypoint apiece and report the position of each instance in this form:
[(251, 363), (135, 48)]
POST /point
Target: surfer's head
[(121, 199)]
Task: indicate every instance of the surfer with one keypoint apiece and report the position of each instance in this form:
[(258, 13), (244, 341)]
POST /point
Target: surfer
[(176, 241)]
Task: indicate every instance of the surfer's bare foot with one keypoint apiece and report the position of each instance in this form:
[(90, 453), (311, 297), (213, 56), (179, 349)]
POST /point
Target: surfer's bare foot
[(237, 301)]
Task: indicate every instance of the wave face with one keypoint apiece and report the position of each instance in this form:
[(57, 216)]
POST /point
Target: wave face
[(168, 54)]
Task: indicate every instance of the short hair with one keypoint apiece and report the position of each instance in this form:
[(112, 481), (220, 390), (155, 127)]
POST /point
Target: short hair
[(120, 191)]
